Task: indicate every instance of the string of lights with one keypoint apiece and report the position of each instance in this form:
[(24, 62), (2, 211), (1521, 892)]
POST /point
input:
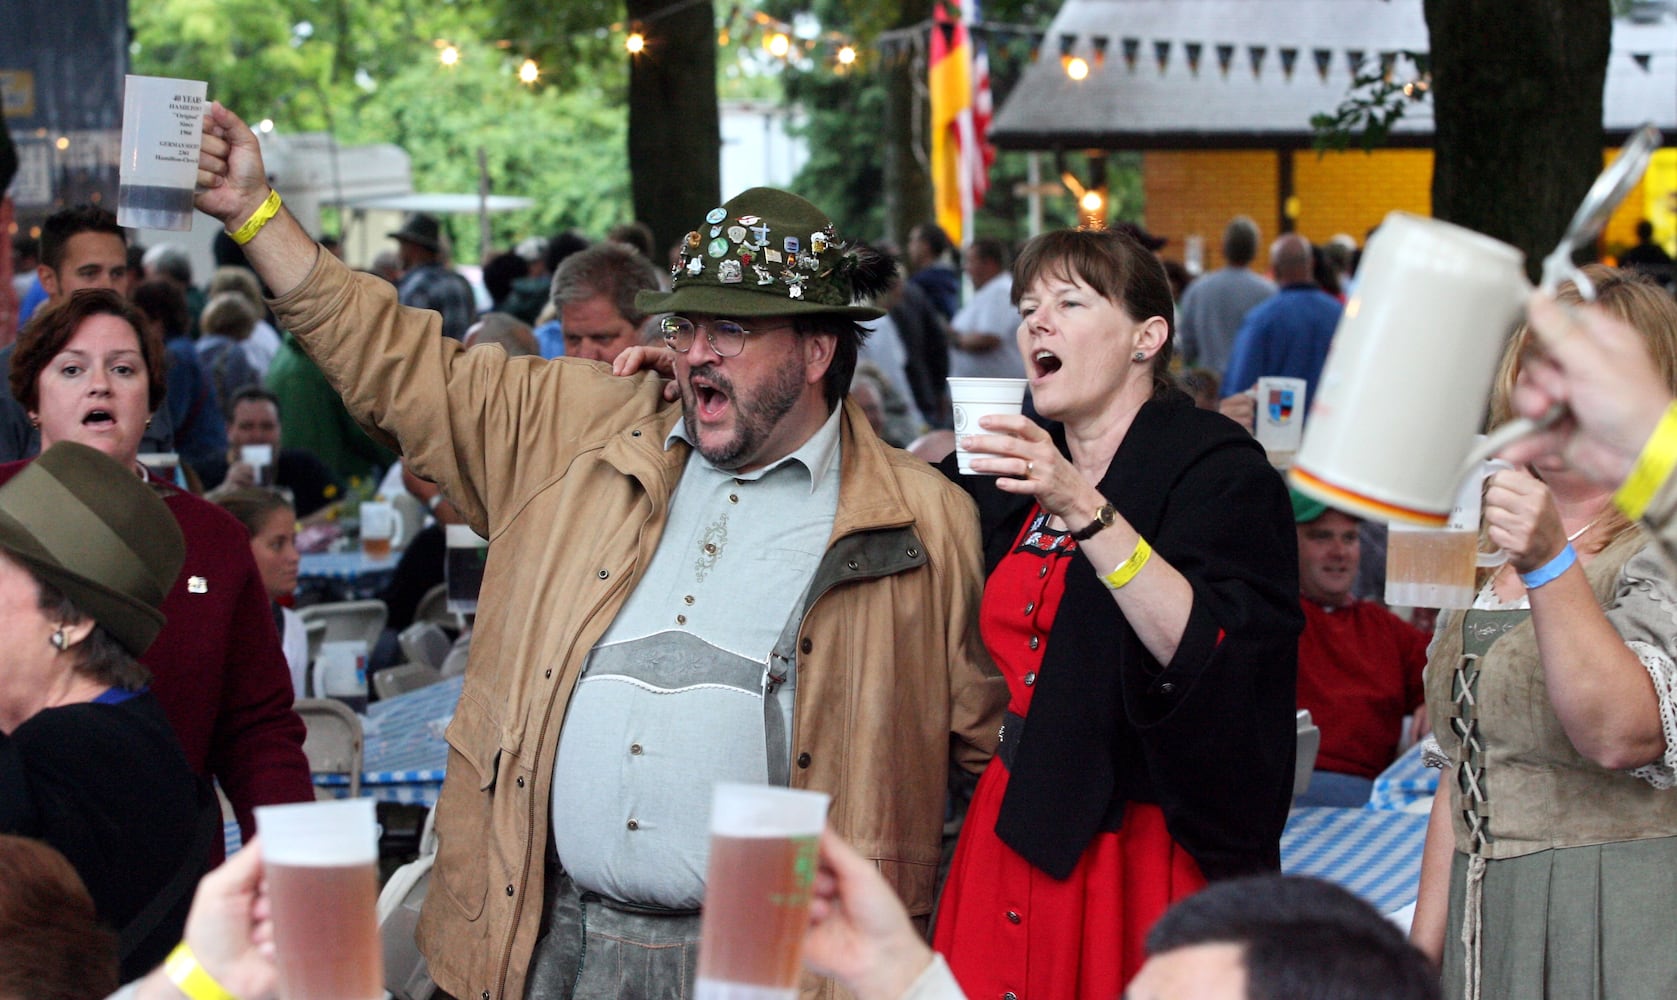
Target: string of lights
[(791, 43)]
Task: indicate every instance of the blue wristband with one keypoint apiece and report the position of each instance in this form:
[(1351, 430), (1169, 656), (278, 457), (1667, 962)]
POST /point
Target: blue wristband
[(1548, 571)]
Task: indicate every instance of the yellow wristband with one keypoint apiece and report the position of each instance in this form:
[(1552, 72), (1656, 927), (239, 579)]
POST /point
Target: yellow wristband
[(267, 210), (189, 977), (1653, 467), (1127, 569)]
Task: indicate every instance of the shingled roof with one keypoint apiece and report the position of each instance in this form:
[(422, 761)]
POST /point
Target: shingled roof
[(1212, 74)]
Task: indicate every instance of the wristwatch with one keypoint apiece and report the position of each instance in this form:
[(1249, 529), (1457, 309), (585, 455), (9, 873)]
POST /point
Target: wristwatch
[(1105, 514)]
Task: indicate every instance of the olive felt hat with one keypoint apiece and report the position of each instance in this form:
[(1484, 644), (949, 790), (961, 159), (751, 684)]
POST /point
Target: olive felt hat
[(421, 230), (83, 522), (770, 253)]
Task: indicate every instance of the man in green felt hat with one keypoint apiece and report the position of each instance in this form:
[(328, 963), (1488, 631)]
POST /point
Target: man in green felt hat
[(743, 584), (1359, 664)]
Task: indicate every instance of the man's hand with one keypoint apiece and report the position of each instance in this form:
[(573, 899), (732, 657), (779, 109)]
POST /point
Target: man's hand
[(1599, 368), (643, 358), (240, 475), (1242, 408), (232, 183)]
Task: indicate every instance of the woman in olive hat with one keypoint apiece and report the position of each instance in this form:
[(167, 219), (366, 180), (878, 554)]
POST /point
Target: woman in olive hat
[(88, 763)]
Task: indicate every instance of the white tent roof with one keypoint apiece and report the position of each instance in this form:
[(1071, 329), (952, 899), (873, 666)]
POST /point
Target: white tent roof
[(440, 204), (1148, 93)]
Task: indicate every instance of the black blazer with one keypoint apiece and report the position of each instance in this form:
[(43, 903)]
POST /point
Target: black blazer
[(1209, 737)]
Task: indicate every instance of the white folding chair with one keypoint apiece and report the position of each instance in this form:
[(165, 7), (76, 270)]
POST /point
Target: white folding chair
[(406, 975), (1309, 741), (455, 664), (334, 741), (433, 607), (348, 620), (424, 642), (405, 677), (316, 632)]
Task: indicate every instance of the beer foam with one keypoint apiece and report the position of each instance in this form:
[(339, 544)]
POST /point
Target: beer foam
[(766, 811), (319, 834)]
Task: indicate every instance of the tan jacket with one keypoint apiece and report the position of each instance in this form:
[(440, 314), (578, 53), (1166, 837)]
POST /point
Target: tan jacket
[(562, 467)]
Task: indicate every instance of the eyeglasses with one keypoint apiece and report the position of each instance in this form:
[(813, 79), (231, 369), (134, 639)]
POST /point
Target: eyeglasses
[(726, 337)]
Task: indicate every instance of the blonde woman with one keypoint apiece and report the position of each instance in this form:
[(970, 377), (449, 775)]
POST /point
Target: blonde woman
[(1553, 842)]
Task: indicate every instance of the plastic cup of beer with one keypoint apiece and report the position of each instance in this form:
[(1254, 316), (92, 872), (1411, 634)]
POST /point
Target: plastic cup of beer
[(162, 123), (322, 867), (380, 523), (763, 856), (971, 398)]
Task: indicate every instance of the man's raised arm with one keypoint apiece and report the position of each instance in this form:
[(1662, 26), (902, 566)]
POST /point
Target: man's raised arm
[(233, 189)]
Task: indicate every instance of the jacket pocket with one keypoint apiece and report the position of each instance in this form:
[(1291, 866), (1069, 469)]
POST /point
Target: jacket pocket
[(464, 809), (914, 881)]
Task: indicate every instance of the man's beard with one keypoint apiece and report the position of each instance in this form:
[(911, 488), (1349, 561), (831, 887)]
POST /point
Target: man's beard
[(755, 417)]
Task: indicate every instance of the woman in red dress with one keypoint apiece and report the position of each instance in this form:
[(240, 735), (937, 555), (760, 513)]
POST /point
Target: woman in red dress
[(1142, 602)]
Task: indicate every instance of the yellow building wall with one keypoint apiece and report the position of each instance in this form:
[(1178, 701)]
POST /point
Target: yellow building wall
[(1655, 199), (1197, 193), (1351, 192)]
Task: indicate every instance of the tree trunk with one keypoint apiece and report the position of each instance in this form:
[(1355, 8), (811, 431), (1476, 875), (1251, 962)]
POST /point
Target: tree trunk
[(675, 132), (908, 186), (1517, 98)]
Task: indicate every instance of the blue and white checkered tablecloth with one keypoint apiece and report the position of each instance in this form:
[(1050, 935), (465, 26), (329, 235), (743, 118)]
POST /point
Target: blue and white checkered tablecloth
[(404, 753), (349, 566), (1374, 853), (1404, 784)]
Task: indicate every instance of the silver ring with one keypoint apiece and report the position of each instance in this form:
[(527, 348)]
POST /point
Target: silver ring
[(1028, 467)]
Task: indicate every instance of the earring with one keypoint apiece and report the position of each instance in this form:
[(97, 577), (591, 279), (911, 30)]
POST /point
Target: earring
[(1140, 355), (148, 421), (58, 640)]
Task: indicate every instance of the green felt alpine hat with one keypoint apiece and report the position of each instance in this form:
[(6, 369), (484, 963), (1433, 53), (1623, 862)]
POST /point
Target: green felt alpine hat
[(85, 523), (765, 253)]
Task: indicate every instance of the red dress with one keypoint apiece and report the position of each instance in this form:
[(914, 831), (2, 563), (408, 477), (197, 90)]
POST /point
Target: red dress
[(1005, 926)]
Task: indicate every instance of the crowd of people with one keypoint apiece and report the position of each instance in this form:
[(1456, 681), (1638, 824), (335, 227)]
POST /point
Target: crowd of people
[(709, 563)]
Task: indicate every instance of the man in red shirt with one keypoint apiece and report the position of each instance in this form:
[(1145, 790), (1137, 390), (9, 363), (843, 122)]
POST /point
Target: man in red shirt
[(1359, 664)]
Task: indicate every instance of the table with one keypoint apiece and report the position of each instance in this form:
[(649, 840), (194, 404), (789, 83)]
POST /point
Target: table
[(404, 753), (345, 575), (1406, 785), (1374, 853)]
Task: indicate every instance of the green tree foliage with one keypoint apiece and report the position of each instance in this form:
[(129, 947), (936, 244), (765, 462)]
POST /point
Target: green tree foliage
[(369, 72)]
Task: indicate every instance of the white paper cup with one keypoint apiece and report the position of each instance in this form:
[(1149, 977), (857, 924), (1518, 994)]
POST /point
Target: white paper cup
[(972, 398), (1279, 416), (162, 122), (764, 843), (322, 872), (260, 457)]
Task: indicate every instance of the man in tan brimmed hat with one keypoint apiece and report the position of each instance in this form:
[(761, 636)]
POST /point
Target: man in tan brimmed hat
[(742, 585), (428, 282)]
